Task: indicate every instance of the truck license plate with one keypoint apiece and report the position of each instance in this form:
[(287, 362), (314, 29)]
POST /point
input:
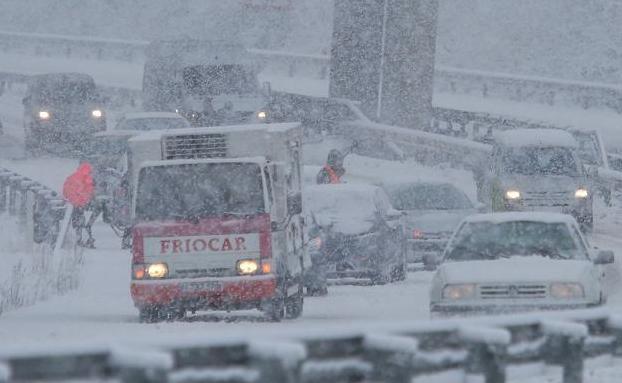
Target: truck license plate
[(201, 286)]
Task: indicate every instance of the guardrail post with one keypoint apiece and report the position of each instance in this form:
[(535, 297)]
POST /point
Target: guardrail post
[(565, 348), (615, 324), (487, 352), (392, 357), (277, 362), (140, 366), (5, 373), (3, 190)]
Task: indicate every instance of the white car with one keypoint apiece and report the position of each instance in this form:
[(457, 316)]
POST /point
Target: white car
[(506, 262), (142, 121)]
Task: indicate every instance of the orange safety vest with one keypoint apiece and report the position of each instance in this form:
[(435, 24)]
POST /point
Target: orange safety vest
[(332, 176)]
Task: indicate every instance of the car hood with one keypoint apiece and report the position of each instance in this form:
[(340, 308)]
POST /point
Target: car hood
[(526, 183), (515, 269), (344, 224), (436, 221)]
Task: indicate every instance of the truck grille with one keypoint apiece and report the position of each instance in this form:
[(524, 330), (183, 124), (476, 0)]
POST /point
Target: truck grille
[(513, 291), (193, 146), (546, 198)]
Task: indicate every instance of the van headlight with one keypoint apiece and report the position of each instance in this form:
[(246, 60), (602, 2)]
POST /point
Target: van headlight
[(97, 113), (157, 270), (581, 193), (44, 115), (262, 115), (247, 266), (459, 292), (567, 290), (512, 194)]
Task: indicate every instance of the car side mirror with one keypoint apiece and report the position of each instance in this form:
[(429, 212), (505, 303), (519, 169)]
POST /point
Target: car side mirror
[(431, 261), (294, 204), (604, 257)]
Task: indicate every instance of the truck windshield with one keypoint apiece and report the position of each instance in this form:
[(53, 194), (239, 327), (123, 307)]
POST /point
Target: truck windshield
[(540, 161), (60, 91), (199, 190), (214, 80)]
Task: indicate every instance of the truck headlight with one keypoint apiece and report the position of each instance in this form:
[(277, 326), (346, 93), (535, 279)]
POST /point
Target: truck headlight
[(157, 270), (44, 115), (581, 193), (262, 115), (512, 194), (97, 113), (567, 290), (247, 266), (458, 292)]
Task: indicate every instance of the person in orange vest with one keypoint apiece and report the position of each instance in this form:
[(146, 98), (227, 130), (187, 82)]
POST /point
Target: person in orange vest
[(332, 172), (79, 189)]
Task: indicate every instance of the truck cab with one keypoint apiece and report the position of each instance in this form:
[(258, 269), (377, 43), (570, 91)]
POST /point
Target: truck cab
[(217, 221), (540, 170)]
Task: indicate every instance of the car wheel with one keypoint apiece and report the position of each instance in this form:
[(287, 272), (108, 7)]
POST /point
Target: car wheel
[(399, 273), (381, 277), (294, 304)]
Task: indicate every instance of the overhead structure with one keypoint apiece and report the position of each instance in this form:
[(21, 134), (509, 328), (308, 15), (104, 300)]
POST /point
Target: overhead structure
[(382, 55)]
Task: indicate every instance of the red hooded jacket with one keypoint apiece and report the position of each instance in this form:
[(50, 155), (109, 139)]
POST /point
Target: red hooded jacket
[(79, 186)]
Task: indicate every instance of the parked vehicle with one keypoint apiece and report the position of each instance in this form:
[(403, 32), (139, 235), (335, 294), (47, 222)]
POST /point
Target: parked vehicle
[(507, 262), (433, 211), (354, 233), (540, 170), (217, 221), (61, 108)]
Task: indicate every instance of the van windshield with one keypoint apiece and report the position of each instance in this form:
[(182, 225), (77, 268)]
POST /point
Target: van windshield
[(61, 91), (539, 161), (214, 80), (199, 190)]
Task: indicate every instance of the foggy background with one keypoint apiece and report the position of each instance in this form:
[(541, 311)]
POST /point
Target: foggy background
[(573, 39)]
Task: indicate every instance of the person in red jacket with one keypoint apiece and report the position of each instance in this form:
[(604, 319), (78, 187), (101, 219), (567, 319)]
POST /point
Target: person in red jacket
[(332, 172), (79, 189)]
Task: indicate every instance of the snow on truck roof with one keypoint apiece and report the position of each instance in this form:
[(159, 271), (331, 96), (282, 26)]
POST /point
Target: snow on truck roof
[(156, 135), (521, 216), (243, 160), (141, 115), (340, 188), (536, 137)]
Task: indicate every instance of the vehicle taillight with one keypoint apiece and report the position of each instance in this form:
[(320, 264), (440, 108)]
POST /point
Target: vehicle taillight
[(417, 234)]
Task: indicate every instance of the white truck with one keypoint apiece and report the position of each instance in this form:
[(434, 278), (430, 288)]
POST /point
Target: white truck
[(217, 221)]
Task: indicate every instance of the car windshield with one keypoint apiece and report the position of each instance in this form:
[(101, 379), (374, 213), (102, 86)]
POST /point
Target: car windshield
[(490, 240), (192, 191), (428, 197), (214, 80), (61, 91), (540, 161), (153, 123)]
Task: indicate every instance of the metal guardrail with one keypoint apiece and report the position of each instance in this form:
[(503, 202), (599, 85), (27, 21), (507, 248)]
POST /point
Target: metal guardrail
[(43, 218), (488, 348), (449, 79)]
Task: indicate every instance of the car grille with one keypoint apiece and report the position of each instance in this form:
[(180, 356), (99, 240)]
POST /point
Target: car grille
[(193, 146), (546, 198), (514, 291)]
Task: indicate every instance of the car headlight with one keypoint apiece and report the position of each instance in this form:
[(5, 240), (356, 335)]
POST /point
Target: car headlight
[(157, 270), (567, 290), (44, 115), (458, 292), (262, 115), (97, 113), (581, 193), (512, 194), (247, 266)]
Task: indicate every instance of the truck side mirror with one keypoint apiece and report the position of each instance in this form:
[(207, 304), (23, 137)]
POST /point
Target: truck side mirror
[(294, 204), (604, 257)]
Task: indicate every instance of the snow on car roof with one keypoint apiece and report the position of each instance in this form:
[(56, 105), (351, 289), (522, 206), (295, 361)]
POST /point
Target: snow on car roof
[(521, 216), (268, 128), (536, 137), (140, 115)]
